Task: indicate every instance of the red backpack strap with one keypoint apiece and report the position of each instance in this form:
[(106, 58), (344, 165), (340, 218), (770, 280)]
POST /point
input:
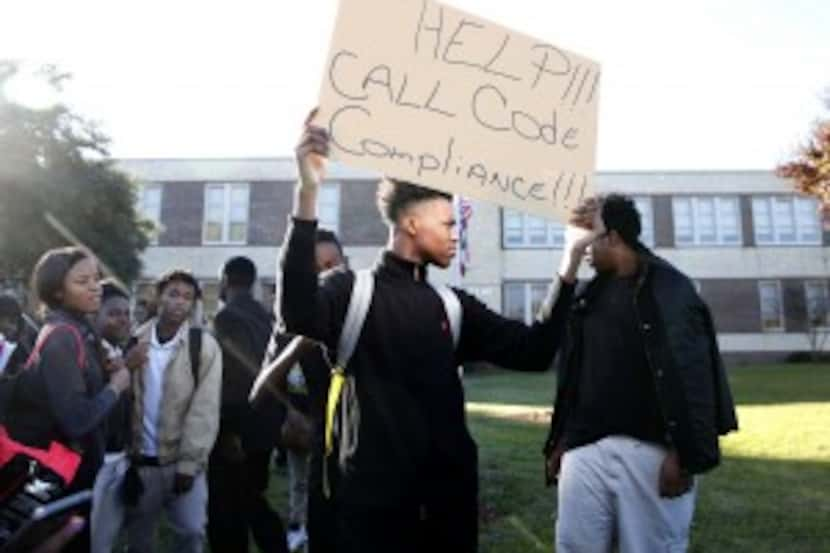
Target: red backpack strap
[(44, 334)]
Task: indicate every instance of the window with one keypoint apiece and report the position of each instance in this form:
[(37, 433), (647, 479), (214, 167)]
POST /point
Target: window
[(210, 298), (522, 299), (772, 309), (226, 213), (149, 206), (818, 306), (646, 210), (520, 230), (707, 221), (786, 220), (328, 206)]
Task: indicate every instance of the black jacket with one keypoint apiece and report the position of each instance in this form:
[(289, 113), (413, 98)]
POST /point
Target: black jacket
[(58, 400), (242, 328), (684, 360), (412, 432)]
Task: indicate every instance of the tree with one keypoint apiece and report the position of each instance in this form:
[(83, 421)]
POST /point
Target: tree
[(810, 170), (54, 161)]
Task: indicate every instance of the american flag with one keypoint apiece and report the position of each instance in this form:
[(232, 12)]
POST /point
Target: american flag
[(465, 211)]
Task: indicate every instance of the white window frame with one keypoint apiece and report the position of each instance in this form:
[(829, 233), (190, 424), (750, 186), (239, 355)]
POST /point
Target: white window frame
[(695, 208), (797, 207), (822, 285), (527, 287), (781, 324), (332, 188), (153, 215), (227, 187), (554, 232), (645, 206)]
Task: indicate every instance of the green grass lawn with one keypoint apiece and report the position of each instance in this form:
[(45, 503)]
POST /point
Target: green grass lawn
[(771, 493)]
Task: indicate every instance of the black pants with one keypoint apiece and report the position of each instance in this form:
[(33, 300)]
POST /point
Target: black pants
[(237, 503), (451, 526), (320, 518)]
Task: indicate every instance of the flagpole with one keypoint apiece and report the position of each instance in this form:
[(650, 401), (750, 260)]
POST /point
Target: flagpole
[(457, 262)]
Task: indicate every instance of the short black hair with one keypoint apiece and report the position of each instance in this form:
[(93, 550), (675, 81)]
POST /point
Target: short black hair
[(325, 236), (395, 196), (619, 213), (9, 307), (239, 272), (51, 270), (178, 275), (111, 289)]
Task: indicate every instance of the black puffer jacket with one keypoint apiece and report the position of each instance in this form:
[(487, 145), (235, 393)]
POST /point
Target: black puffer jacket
[(683, 356)]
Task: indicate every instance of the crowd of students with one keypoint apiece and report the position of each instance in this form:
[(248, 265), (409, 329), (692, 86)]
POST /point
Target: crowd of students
[(359, 383), (159, 408)]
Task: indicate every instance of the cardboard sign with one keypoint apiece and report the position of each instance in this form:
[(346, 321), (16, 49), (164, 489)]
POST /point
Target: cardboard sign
[(423, 92)]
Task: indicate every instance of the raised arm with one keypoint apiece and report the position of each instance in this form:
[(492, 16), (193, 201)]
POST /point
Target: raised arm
[(303, 309), (487, 336)]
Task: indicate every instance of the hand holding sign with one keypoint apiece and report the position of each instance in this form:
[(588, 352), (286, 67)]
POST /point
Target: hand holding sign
[(443, 98), (312, 155)]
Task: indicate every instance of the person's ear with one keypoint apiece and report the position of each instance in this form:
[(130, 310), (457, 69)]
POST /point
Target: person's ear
[(409, 224)]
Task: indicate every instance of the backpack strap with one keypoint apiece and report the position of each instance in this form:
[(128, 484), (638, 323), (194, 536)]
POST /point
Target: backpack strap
[(362, 291), (44, 334), (194, 342), (8, 386), (452, 306), (359, 302)]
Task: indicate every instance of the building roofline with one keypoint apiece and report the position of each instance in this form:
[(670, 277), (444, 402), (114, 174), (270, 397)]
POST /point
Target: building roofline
[(291, 159)]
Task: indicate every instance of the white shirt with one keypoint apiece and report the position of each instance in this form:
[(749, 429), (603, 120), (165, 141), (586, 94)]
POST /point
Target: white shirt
[(158, 358), (6, 350)]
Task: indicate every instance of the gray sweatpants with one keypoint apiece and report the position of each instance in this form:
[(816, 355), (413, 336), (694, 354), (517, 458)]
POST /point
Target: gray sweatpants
[(186, 513), (108, 508), (608, 493)]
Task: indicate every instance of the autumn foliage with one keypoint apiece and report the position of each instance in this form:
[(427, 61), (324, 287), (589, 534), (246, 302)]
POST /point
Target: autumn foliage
[(810, 170)]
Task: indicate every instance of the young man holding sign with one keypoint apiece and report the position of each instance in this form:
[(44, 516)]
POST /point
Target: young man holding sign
[(406, 473)]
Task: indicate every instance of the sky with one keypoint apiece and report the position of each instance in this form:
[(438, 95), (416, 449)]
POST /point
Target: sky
[(709, 84)]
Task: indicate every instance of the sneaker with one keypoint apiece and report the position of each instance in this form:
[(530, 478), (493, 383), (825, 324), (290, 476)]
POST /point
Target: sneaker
[(297, 537)]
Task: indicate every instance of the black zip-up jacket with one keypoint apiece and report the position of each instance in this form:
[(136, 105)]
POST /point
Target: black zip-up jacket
[(58, 400), (243, 329), (412, 433), (683, 357)]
